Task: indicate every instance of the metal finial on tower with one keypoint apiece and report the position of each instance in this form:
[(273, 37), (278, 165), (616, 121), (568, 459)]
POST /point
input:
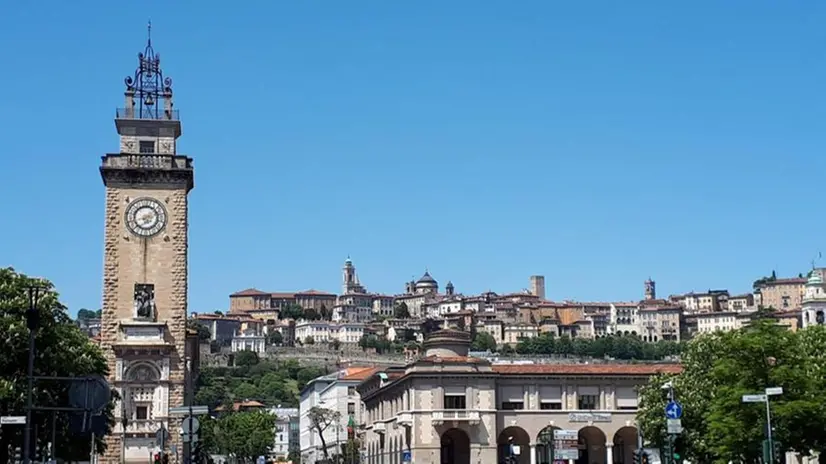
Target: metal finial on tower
[(150, 92)]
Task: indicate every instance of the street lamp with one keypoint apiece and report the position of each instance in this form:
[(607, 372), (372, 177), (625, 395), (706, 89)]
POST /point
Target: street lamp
[(764, 398), (35, 290)]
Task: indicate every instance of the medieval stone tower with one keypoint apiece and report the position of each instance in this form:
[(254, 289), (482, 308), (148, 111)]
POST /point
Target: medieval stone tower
[(145, 272)]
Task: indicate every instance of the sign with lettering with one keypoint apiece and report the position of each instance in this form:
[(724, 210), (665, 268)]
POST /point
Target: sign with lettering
[(589, 417), (566, 445)]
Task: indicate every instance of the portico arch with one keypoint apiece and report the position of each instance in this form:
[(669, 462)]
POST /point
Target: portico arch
[(545, 445), (514, 436), (455, 447), (591, 446), (625, 441)]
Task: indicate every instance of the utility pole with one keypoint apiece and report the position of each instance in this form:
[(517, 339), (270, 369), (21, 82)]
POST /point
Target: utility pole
[(32, 321), (673, 414)]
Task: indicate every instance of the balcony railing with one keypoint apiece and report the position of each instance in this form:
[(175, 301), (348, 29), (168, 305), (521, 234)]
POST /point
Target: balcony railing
[(156, 114), (142, 426), (146, 161), (455, 415), (405, 419)]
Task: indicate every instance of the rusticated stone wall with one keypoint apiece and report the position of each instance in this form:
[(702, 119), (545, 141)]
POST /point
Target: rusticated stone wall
[(160, 260)]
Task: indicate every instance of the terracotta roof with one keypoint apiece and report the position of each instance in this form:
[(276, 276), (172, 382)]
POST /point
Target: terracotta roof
[(359, 373), (452, 359), (315, 292), (249, 292), (588, 369), (242, 404)]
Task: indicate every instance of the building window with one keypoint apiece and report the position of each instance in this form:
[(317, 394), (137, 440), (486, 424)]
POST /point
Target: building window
[(146, 146), (455, 402), (142, 413), (351, 408), (513, 405), (551, 405), (785, 302), (351, 391), (588, 401)]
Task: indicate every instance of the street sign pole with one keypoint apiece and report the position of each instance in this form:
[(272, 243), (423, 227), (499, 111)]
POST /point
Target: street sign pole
[(673, 415), (764, 398)]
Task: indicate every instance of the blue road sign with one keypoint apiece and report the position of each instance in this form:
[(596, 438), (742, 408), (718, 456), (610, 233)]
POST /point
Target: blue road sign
[(262, 460), (406, 457), (673, 410)]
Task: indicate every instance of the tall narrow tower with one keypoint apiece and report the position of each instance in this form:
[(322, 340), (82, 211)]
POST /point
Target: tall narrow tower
[(145, 273), (650, 289), (538, 286)]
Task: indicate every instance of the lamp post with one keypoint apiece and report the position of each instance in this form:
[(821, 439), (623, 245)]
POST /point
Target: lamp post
[(32, 322)]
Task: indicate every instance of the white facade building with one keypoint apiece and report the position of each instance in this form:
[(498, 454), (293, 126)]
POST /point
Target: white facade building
[(286, 432), (249, 341), (336, 392), (323, 332), (814, 299)]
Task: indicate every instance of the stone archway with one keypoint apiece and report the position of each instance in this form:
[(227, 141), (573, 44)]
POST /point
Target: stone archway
[(625, 442), (455, 447), (591, 446), (514, 436), (545, 445)]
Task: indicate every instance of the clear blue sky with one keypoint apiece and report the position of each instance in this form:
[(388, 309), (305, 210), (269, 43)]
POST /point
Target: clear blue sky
[(597, 143)]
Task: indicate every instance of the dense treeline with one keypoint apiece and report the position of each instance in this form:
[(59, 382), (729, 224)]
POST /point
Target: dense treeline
[(618, 347)]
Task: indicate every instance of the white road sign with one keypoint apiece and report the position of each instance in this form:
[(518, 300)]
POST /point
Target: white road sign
[(13, 420), (754, 398)]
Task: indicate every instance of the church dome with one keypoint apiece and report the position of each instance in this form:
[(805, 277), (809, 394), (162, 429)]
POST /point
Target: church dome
[(426, 278), (815, 278)]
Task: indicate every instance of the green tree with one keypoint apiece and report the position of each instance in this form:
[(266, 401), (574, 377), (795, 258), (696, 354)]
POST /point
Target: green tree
[(320, 419), (246, 358), (719, 369), (275, 338), (292, 311), (483, 341), (335, 344), (203, 331), (400, 311), (85, 314), (62, 350), (246, 434), (309, 340)]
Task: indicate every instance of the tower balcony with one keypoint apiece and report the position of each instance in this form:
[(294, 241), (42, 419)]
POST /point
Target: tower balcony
[(148, 122), (128, 169)]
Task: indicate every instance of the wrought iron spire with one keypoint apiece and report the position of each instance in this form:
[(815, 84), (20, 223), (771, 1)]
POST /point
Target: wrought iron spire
[(148, 88)]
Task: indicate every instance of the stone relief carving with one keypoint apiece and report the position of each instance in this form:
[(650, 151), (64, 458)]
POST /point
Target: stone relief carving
[(166, 147), (128, 144), (145, 301)]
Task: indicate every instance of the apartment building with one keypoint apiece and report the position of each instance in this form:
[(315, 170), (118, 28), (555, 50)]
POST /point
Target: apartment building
[(335, 392), (781, 294), (453, 409)]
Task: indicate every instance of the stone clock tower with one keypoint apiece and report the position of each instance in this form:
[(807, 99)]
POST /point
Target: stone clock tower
[(143, 331)]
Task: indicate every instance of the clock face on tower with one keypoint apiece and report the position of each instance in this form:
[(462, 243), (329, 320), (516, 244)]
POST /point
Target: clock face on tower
[(145, 217)]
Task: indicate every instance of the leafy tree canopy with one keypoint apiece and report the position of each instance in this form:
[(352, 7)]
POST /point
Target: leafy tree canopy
[(483, 341), (246, 434), (272, 383), (720, 368), (62, 350), (617, 347)]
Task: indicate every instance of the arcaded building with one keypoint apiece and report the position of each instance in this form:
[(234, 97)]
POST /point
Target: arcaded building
[(451, 408)]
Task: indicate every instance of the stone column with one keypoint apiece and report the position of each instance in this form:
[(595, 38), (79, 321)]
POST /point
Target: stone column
[(533, 453), (609, 453)]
